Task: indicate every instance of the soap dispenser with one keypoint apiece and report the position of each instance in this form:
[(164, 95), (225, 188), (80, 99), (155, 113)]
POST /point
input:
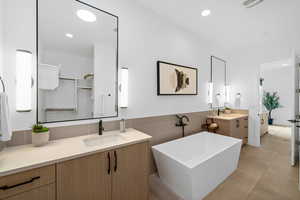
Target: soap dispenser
[(122, 126)]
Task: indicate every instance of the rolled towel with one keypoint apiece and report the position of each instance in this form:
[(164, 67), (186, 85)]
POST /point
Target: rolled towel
[(5, 123)]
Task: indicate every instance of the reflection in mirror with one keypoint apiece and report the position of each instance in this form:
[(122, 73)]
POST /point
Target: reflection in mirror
[(218, 76), (77, 61)]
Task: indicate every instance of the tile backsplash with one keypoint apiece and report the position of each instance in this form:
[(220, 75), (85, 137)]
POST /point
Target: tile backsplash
[(161, 128)]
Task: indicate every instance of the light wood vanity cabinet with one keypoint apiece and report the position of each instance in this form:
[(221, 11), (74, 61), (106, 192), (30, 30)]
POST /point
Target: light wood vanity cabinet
[(264, 127), (84, 178), (43, 193), (120, 174), (130, 178), (34, 184), (237, 128)]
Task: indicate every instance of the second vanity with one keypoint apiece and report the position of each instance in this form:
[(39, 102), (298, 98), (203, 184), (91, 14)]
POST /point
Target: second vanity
[(233, 125), (114, 166)]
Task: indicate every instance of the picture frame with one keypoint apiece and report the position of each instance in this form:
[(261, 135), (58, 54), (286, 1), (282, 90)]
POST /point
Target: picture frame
[(174, 79)]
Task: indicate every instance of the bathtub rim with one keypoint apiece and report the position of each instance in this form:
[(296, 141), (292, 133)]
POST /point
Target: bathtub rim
[(192, 166)]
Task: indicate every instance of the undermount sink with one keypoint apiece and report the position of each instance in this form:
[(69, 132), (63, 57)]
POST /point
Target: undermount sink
[(104, 139)]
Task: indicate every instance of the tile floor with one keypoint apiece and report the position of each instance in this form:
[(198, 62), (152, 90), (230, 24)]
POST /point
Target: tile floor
[(283, 132), (263, 174)]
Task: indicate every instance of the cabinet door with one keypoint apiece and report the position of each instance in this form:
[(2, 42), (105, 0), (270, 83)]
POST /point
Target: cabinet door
[(131, 172), (86, 178), (42, 193), (236, 129)]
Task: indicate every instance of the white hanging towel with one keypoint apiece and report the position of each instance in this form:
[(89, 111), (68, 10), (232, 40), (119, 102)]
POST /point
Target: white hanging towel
[(5, 123), (48, 76)]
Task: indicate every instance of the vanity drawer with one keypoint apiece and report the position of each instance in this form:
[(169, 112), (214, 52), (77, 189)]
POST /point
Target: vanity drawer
[(25, 181)]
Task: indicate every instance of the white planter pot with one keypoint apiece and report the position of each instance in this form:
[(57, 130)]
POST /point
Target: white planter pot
[(40, 139), (227, 111)]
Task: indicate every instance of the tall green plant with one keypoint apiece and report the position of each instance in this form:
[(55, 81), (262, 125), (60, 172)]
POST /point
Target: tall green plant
[(271, 102)]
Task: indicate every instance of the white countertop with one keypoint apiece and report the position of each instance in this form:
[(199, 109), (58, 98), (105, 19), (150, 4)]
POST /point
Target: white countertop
[(25, 157), (228, 116)]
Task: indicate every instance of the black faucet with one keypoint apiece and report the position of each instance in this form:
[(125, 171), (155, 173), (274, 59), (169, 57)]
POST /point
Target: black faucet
[(101, 128), (180, 123)]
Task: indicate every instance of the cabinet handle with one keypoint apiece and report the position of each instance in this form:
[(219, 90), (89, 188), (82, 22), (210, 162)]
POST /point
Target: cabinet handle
[(237, 123), (116, 161), (108, 158), (6, 187)]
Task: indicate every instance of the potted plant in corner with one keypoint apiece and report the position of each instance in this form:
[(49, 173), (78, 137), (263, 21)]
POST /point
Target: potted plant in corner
[(40, 135), (271, 102)]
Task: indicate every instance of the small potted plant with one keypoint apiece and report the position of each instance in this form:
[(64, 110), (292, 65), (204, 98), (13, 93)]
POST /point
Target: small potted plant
[(40, 135), (271, 102), (227, 110)]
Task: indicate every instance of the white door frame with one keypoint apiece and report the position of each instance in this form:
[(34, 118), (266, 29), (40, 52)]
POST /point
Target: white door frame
[(295, 130)]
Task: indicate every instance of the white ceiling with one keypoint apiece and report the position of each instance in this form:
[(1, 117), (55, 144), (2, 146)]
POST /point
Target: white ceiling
[(56, 18), (274, 22)]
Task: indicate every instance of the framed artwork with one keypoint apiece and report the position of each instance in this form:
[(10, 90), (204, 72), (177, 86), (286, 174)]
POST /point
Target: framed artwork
[(173, 79)]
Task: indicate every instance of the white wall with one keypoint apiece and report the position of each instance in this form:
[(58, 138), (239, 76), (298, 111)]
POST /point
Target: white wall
[(278, 78), (144, 39), (19, 33), (243, 75), (1, 36)]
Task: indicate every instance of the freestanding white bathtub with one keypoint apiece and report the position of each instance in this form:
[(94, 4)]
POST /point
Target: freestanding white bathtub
[(194, 166)]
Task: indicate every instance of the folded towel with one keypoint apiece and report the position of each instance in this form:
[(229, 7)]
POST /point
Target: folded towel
[(48, 77), (5, 123)]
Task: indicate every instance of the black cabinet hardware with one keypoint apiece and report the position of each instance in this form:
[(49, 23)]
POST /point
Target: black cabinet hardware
[(116, 161), (237, 123), (294, 121), (6, 187), (108, 158)]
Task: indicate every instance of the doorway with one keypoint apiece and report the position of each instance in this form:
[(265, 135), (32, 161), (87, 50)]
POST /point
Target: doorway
[(279, 117), (276, 99)]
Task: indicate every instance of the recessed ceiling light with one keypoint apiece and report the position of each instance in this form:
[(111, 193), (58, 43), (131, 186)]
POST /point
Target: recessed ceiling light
[(285, 64), (69, 35), (206, 13), (86, 15)]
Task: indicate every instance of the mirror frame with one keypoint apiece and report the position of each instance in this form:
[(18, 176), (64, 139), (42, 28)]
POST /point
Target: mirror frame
[(37, 70), (211, 71)]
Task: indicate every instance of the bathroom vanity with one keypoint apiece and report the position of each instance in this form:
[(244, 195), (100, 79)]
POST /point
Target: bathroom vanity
[(110, 167), (233, 125), (264, 127)]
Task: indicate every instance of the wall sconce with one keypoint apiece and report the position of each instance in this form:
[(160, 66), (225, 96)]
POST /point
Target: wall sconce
[(227, 93), (24, 81), (210, 92), (238, 96), (124, 88), (218, 99)]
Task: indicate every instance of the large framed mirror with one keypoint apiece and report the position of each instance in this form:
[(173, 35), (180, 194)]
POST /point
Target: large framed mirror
[(219, 81), (77, 61)]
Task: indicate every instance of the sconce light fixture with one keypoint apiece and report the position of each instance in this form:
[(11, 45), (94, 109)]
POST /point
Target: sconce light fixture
[(218, 99), (238, 96), (24, 80), (227, 93), (124, 88), (210, 92)]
